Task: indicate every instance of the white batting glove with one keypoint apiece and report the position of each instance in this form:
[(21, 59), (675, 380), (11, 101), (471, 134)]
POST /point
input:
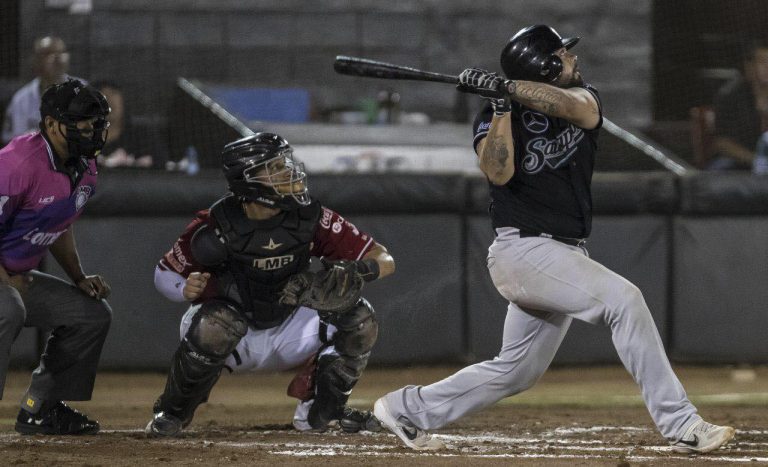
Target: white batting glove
[(481, 82)]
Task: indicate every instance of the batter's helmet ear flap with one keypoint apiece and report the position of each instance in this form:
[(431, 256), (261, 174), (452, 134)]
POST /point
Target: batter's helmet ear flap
[(551, 66)]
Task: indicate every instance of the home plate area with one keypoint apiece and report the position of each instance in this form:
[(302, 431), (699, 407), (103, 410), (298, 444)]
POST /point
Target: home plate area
[(573, 445)]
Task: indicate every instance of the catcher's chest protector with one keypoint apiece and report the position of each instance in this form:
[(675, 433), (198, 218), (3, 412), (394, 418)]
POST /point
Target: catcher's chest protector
[(264, 254)]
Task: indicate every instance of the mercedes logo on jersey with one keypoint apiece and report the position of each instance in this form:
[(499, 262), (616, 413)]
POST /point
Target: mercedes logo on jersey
[(535, 122)]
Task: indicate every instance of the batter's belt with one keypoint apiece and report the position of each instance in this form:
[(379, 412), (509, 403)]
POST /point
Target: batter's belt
[(580, 242)]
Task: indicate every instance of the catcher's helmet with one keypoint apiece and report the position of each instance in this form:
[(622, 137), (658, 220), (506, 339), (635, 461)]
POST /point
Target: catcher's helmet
[(530, 54), (261, 168), (71, 102)]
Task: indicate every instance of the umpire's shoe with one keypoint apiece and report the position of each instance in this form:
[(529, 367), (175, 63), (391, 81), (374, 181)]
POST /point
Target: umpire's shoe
[(412, 436), (57, 419), (163, 424), (703, 437)]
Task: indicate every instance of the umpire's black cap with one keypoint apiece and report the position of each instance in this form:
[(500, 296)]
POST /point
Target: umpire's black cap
[(73, 101)]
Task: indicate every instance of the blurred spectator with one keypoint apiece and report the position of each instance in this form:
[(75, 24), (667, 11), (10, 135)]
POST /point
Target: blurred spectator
[(120, 149), (741, 112), (51, 63), (760, 164)]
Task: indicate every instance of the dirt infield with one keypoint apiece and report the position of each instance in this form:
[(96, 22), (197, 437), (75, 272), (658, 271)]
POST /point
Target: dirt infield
[(575, 416)]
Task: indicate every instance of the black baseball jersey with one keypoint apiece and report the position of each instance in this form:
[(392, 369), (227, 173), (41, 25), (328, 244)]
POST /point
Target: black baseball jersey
[(550, 190)]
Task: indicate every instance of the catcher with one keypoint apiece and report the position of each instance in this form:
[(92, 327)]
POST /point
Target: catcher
[(256, 305)]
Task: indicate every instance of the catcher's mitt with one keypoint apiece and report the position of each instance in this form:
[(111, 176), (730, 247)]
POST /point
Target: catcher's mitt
[(333, 290)]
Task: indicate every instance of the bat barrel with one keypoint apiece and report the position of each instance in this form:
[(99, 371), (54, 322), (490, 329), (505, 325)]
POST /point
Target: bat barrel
[(374, 69)]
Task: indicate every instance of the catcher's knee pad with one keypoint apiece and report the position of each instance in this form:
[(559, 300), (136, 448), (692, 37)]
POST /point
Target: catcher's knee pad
[(216, 329), (356, 330)]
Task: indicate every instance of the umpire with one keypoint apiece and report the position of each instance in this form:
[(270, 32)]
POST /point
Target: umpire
[(46, 178), (536, 142)]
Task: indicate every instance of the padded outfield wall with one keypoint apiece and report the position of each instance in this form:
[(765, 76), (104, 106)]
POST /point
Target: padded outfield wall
[(695, 246)]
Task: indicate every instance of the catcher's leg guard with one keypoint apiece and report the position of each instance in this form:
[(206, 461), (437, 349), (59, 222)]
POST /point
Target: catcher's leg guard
[(338, 373), (214, 333)]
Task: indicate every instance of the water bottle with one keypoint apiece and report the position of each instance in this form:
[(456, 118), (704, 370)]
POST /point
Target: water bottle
[(193, 164), (389, 106)]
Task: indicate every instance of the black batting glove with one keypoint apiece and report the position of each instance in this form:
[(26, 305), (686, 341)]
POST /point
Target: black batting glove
[(481, 82), (501, 106)]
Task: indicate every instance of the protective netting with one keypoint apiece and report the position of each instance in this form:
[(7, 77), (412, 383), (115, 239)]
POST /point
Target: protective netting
[(193, 75), (701, 49)]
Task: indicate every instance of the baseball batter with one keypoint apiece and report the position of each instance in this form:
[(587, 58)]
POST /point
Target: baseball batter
[(244, 264), (536, 141)]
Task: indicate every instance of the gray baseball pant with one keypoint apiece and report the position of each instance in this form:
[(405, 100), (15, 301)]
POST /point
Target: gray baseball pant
[(78, 324), (549, 283)]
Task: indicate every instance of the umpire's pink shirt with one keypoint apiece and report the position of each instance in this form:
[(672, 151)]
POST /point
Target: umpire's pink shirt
[(38, 200)]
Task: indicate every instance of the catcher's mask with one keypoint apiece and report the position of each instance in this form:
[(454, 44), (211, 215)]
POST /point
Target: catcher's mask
[(260, 168), (530, 54), (71, 102)]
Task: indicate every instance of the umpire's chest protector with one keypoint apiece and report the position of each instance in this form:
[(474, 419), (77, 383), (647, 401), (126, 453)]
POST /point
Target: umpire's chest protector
[(268, 252)]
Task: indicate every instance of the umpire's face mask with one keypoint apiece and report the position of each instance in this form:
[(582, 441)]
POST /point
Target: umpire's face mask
[(85, 138)]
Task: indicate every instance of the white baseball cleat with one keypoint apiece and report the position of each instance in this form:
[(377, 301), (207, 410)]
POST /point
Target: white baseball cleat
[(703, 437), (413, 437)]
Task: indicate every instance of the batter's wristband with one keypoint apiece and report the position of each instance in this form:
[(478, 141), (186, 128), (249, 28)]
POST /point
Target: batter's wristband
[(500, 112), (368, 268)]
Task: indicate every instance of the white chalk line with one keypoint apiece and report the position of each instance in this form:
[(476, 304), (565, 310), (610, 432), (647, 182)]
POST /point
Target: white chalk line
[(482, 446), (633, 458)]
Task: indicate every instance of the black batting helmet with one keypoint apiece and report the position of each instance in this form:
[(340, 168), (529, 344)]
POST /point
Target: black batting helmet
[(530, 54), (261, 169)]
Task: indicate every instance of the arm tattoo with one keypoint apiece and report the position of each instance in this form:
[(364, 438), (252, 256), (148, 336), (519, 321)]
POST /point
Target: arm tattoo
[(542, 98), (497, 155)]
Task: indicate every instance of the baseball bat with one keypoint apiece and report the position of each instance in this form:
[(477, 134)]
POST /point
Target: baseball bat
[(374, 69)]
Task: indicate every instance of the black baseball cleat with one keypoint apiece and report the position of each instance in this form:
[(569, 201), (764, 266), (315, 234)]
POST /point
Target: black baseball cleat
[(355, 420), (59, 419), (163, 424)]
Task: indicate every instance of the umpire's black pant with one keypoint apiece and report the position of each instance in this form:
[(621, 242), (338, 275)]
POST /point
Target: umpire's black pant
[(78, 324)]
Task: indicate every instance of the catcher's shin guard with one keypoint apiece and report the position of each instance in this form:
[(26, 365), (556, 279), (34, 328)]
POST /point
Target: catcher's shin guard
[(190, 380), (338, 373), (214, 332)]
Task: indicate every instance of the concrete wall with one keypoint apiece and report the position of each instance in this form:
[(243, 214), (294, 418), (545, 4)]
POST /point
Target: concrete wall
[(146, 44)]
